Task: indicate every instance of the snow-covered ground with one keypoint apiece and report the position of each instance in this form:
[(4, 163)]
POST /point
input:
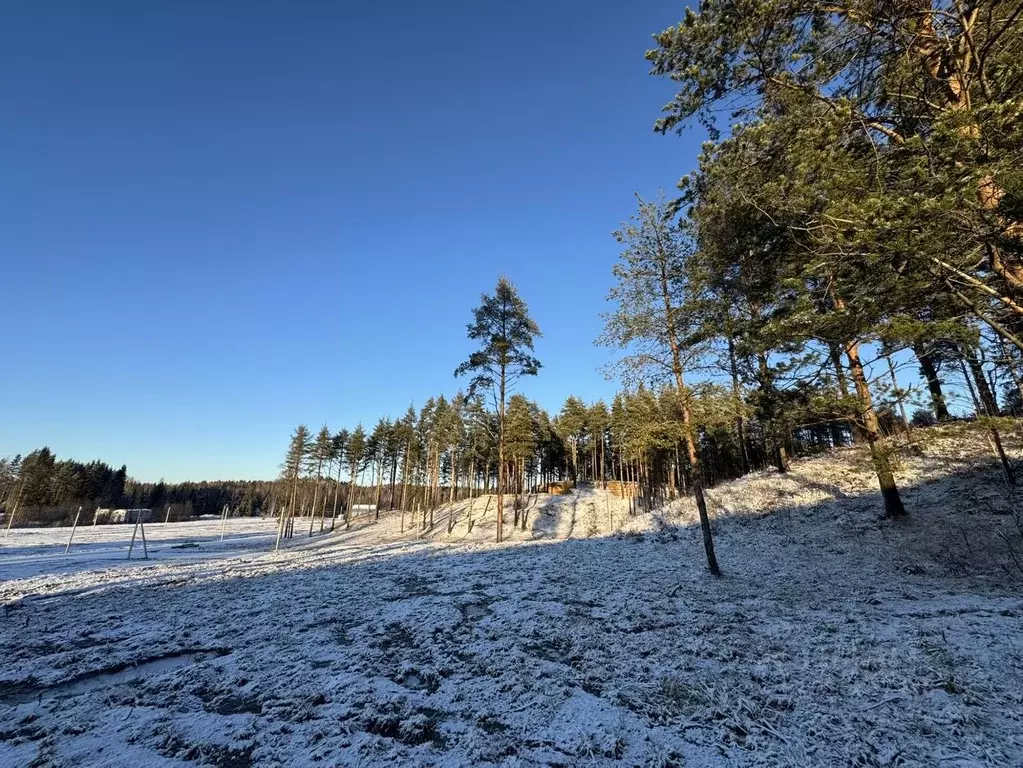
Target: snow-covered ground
[(36, 551), (834, 638)]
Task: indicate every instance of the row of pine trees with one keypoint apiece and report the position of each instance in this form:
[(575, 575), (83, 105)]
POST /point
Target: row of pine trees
[(447, 451)]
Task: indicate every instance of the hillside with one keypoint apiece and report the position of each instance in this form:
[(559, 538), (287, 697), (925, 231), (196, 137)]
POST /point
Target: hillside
[(834, 637)]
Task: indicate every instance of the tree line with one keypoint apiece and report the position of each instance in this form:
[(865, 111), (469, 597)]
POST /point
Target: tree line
[(40, 488)]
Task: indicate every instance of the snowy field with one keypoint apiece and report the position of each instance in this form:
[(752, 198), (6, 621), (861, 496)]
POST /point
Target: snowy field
[(38, 551), (834, 638)]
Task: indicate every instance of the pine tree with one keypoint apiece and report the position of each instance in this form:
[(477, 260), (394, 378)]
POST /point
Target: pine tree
[(502, 325), (520, 442), (454, 437), (376, 452), (338, 448), (405, 435), (923, 95), (319, 455), (651, 288), (572, 427), (355, 454), (598, 420), (294, 462)]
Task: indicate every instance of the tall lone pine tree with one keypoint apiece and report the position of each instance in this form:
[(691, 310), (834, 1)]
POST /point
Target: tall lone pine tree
[(502, 325)]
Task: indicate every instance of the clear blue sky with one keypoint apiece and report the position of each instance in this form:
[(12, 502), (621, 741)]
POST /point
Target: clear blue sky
[(222, 219)]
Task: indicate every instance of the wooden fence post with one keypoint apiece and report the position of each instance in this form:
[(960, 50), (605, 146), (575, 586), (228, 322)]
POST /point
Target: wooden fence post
[(14, 511), (134, 532), (145, 547), (73, 526)]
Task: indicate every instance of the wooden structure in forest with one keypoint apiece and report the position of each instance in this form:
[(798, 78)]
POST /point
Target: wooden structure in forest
[(623, 490), (557, 488)]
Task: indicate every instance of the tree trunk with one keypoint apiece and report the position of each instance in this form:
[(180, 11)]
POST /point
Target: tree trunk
[(701, 501), (897, 392), (982, 410), (380, 489), (690, 431), (452, 492), (404, 472), (500, 460), (930, 374), (316, 497), (987, 398), (843, 390), (351, 499), (781, 457), (872, 431), (394, 478), (740, 432), (1011, 366)]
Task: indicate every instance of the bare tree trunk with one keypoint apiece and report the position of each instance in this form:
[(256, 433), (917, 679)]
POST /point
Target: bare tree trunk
[(740, 431), (1011, 366), (688, 425), (500, 461), (337, 490), (316, 495), (872, 431), (701, 501), (899, 396), (781, 456), (435, 485), (351, 496), (983, 410), (453, 492), (394, 478), (380, 489), (835, 355), (987, 398), (405, 472), (930, 374)]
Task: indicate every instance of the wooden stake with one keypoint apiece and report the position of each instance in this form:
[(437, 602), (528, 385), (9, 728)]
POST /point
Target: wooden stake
[(280, 528), (610, 518), (134, 532), (145, 546), (73, 526), (14, 511)]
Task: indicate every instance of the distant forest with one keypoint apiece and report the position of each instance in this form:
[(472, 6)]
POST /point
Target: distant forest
[(48, 490)]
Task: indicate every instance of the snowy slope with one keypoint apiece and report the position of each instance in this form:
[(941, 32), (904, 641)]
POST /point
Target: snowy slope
[(835, 638)]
